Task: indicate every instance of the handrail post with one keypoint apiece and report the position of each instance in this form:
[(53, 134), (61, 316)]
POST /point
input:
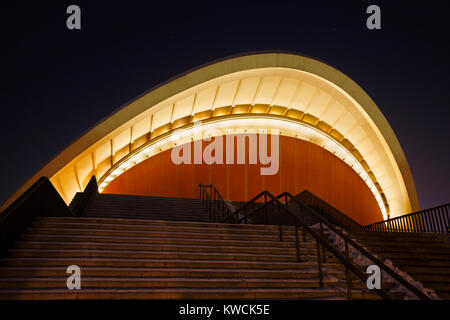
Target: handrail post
[(347, 274), (265, 216), (213, 202), (222, 215), (303, 224), (296, 244), (323, 248), (207, 204), (319, 262)]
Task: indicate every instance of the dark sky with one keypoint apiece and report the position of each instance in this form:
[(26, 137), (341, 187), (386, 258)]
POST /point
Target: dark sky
[(58, 83)]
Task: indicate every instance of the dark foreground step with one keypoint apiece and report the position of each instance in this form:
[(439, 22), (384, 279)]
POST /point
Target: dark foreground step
[(72, 253), (136, 222), (159, 263), (161, 241), (105, 282), (285, 231), (207, 234), (88, 271), (184, 293)]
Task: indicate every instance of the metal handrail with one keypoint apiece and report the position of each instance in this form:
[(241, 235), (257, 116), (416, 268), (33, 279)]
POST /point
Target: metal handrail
[(320, 240), (248, 206), (326, 210), (213, 201), (435, 220), (364, 252)]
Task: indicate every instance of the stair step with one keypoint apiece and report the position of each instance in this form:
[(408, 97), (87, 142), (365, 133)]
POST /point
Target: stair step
[(146, 208), (185, 229), (159, 263), (163, 213), (431, 277), (147, 282), (184, 293), (403, 236), (159, 240), (58, 253), (406, 245), (441, 286), (160, 247), (414, 269), (426, 263), (105, 282), (89, 271), (160, 234), (417, 251), (156, 222), (152, 217)]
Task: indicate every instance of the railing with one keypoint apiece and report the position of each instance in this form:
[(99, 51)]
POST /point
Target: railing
[(327, 211), (250, 206), (267, 209), (348, 241), (218, 208), (436, 220)]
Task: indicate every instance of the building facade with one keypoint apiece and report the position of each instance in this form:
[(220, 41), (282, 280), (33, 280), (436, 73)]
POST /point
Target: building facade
[(333, 139)]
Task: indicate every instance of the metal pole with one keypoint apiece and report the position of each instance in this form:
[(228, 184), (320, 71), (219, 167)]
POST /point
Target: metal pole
[(296, 244), (347, 273), (319, 262), (265, 215), (323, 247)]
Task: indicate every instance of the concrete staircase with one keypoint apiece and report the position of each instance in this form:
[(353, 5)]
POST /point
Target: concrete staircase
[(425, 257), (155, 259), (144, 207)]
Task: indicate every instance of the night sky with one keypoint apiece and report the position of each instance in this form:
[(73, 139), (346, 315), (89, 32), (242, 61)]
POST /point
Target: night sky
[(58, 83)]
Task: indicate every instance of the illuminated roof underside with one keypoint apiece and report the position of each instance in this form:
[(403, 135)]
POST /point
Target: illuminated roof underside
[(300, 96)]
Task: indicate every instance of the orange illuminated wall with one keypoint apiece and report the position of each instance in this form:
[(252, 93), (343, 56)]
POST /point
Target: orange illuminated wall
[(303, 165)]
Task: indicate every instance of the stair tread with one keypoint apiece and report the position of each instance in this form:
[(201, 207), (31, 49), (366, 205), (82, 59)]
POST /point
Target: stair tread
[(216, 255), (166, 240), (131, 227), (73, 260)]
